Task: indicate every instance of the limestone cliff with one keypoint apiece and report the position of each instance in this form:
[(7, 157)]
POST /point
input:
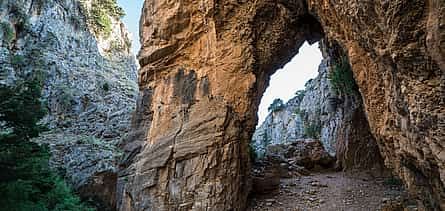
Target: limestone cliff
[(204, 66), (279, 127), (90, 83), (336, 117)]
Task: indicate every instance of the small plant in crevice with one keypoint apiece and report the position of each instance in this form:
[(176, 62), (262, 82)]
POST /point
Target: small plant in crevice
[(297, 110), (276, 105), (342, 78), (106, 87), (17, 61), (8, 32), (115, 46), (312, 130), (300, 95)]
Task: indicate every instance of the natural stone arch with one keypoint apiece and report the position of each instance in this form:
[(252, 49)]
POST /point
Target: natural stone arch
[(205, 64)]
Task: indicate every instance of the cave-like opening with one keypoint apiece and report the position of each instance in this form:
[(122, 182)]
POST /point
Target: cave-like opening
[(279, 119), (317, 144), (203, 72)]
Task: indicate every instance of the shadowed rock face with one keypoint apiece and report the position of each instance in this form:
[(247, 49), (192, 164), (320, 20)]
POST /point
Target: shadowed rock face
[(205, 65)]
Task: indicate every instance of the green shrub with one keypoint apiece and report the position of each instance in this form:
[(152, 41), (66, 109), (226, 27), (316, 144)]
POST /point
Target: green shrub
[(106, 87), (342, 78), (312, 130), (17, 61), (8, 32), (300, 95), (21, 108), (276, 105), (26, 180), (297, 110), (99, 17), (101, 21)]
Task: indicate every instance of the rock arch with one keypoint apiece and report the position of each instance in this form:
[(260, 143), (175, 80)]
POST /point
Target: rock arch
[(205, 64)]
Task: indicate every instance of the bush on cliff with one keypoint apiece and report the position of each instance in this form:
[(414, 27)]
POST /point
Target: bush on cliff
[(276, 105), (26, 180), (100, 15), (342, 78)]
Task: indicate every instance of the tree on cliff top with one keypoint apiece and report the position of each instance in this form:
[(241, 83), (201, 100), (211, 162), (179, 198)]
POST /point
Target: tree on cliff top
[(276, 105)]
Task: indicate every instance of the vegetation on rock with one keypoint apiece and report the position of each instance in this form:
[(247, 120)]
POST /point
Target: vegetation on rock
[(8, 32), (17, 61), (100, 15), (342, 78), (300, 94), (26, 180), (312, 130), (106, 87), (276, 105)]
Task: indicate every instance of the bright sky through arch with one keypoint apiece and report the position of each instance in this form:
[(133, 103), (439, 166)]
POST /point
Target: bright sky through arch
[(292, 77), (283, 84)]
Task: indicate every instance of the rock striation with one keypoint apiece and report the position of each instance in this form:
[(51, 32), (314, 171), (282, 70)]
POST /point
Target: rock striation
[(204, 66), (89, 89)]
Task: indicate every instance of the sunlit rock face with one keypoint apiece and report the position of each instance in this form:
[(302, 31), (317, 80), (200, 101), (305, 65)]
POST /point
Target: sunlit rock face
[(90, 86), (394, 51), (204, 66)]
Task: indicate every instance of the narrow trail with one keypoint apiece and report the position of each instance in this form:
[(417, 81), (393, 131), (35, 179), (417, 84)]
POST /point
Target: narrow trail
[(330, 190)]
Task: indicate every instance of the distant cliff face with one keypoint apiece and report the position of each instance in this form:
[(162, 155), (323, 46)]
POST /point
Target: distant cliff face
[(82, 51), (280, 126), (336, 117)]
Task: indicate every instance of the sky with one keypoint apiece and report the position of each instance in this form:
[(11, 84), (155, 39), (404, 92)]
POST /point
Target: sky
[(133, 9), (283, 84), (291, 78)]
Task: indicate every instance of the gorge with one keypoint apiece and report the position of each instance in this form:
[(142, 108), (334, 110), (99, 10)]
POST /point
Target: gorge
[(204, 67), (178, 135)]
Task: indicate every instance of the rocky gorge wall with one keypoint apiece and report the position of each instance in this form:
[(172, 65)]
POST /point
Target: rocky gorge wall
[(90, 89), (336, 117), (204, 66)]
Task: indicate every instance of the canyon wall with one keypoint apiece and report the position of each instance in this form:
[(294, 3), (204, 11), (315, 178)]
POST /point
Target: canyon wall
[(322, 111), (89, 77), (393, 48), (205, 65)]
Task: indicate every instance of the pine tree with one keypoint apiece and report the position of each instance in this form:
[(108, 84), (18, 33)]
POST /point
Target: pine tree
[(26, 180)]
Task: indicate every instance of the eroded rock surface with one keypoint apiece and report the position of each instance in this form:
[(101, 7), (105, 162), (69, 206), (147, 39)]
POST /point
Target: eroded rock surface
[(205, 65), (390, 46), (89, 88), (306, 152), (333, 115)]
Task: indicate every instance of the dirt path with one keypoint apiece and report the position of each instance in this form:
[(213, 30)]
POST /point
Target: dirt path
[(331, 191)]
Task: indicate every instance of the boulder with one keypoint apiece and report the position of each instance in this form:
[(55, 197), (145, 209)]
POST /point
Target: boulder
[(304, 152)]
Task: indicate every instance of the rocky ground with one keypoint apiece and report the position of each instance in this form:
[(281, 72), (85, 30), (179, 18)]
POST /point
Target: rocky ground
[(332, 190)]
